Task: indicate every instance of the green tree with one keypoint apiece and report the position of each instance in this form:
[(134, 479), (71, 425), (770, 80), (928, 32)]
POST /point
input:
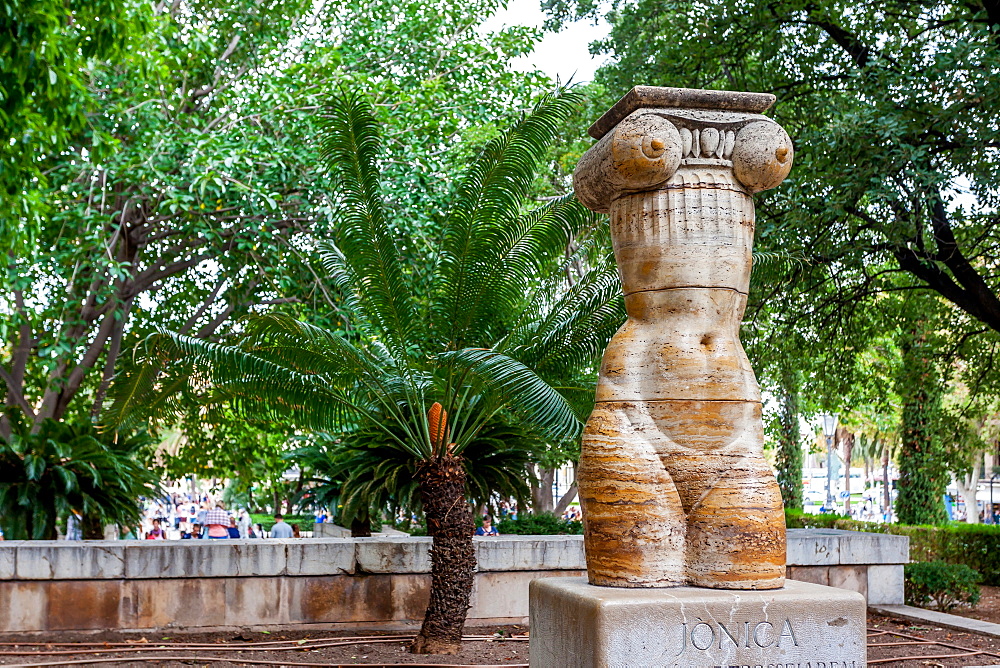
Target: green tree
[(185, 193), (63, 467), (895, 188), (889, 105), (435, 350), (45, 52)]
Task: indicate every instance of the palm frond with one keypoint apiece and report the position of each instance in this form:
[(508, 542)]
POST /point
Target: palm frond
[(485, 210), (770, 267), (506, 383), (350, 147), (534, 243), (567, 329), (322, 383)]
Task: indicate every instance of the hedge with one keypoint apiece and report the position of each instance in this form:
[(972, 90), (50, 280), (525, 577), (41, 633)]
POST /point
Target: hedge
[(305, 522), (539, 525), (974, 545)]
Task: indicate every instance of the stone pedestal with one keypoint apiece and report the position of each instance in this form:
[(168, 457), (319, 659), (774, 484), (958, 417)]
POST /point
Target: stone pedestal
[(802, 625)]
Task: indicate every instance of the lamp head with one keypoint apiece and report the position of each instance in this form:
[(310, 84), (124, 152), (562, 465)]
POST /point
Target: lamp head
[(829, 424)]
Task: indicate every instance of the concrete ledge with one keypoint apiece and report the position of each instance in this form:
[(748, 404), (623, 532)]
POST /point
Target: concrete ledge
[(204, 558), (808, 550), (326, 557), (530, 553), (378, 582), (69, 560), (393, 554), (827, 547)]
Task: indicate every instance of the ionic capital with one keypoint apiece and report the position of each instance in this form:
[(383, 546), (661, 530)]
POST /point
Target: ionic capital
[(654, 132)]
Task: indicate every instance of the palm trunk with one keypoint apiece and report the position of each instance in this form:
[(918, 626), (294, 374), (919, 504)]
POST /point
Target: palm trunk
[(361, 527), (453, 559), (92, 528)]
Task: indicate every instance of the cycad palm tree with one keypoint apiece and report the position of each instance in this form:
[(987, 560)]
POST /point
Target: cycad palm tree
[(436, 351), (364, 473)]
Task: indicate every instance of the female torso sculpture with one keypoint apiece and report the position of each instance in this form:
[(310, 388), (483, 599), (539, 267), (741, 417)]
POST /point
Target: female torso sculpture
[(672, 479)]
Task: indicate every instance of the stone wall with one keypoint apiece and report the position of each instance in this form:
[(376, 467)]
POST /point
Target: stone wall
[(378, 582)]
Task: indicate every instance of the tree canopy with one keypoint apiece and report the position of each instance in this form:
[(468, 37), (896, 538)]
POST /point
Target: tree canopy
[(183, 188)]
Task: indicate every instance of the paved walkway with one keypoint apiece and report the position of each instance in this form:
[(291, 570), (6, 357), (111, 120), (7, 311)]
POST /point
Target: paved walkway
[(942, 619)]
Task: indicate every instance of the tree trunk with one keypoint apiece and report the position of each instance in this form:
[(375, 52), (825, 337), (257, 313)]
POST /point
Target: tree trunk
[(453, 559), (541, 492), (361, 527), (92, 528), (966, 485), (566, 499)]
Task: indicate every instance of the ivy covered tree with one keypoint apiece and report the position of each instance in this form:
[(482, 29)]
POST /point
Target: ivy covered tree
[(790, 455), (922, 459)]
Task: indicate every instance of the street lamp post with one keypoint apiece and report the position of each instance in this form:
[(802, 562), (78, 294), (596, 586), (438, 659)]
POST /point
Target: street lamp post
[(990, 517), (829, 429)]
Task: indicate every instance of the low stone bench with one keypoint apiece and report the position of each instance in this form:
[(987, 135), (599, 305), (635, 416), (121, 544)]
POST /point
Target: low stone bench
[(378, 582)]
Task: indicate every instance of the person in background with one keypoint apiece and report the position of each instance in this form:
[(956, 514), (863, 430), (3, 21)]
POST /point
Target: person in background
[(234, 531), (195, 532), (217, 520), (244, 524), (280, 528), (74, 525), (201, 514), (295, 531), (487, 529), (156, 533)]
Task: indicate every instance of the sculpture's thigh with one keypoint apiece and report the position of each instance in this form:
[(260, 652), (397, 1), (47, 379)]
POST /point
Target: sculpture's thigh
[(633, 520), (713, 451)]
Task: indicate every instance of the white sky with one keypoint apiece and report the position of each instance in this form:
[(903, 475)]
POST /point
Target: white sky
[(562, 54)]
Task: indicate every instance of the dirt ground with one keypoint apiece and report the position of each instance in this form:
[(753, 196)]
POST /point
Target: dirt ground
[(891, 642), (486, 646), (900, 644), (988, 608)]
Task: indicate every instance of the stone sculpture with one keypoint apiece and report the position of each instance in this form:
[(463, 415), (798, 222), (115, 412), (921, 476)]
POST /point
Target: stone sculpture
[(672, 479)]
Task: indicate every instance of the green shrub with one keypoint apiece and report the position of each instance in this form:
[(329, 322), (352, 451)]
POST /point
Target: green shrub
[(305, 522), (542, 524), (945, 586), (66, 466), (974, 545)]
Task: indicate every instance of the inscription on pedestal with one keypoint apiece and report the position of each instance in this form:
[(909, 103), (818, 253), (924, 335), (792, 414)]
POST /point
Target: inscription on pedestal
[(802, 625), (703, 635)]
